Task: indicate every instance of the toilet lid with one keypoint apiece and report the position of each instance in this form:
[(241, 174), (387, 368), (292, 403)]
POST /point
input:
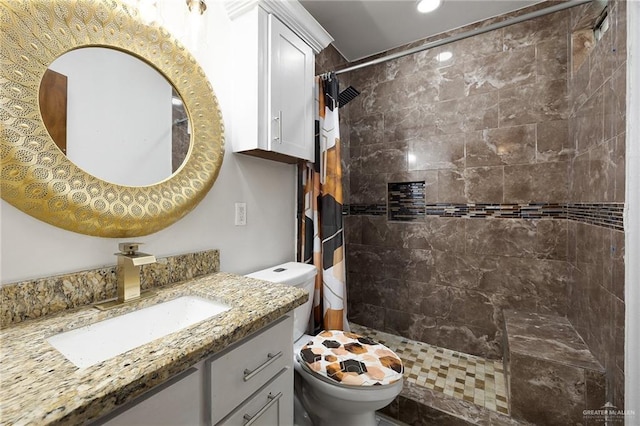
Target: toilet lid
[(351, 359)]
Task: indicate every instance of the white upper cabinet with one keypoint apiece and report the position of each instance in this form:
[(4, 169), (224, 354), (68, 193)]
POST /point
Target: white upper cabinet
[(274, 79)]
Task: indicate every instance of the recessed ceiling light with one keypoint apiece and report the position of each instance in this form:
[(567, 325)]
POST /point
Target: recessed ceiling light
[(444, 56), (426, 6)]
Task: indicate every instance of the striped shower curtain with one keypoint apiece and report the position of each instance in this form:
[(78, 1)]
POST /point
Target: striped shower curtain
[(322, 240)]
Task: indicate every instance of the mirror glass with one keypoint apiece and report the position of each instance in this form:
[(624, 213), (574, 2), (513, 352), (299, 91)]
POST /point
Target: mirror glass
[(114, 116)]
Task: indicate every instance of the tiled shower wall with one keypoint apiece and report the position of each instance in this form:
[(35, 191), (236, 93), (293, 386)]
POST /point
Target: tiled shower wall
[(488, 126), (597, 90), (505, 121)]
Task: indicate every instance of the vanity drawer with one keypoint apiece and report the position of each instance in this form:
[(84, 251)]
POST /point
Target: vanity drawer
[(272, 405), (239, 371)]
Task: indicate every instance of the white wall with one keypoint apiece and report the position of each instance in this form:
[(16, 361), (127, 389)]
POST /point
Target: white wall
[(118, 116), (32, 249)]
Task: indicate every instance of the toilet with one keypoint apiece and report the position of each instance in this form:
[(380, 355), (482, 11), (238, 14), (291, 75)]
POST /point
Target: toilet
[(342, 378)]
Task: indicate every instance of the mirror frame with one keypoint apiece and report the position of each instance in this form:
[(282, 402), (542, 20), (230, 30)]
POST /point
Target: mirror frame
[(37, 178)]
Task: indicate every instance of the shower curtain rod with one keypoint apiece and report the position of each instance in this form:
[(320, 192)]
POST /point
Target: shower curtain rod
[(551, 9)]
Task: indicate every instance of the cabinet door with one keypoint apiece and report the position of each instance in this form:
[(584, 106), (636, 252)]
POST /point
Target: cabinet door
[(272, 405), (291, 92), (179, 401)]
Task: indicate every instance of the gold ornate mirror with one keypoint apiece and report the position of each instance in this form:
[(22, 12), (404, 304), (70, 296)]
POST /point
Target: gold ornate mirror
[(37, 178)]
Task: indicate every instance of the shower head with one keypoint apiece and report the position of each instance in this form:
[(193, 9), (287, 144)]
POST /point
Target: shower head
[(346, 96)]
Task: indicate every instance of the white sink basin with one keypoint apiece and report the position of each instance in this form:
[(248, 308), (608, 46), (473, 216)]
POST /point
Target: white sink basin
[(97, 342)]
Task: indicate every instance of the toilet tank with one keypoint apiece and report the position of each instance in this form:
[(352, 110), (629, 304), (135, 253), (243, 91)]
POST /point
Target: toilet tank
[(294, 274)]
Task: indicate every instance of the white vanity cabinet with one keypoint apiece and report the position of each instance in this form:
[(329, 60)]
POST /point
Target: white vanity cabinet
[(248, 383), (273, 113)]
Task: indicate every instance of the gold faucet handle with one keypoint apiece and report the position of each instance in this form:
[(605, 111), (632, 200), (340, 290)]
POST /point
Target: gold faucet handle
[(129, 247)]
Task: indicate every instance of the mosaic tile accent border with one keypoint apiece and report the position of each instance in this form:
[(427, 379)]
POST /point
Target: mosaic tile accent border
[(406, 200), (43, 296), (607, 215), (466, 377)]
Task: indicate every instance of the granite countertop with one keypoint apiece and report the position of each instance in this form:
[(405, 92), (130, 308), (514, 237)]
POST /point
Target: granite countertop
[(40, 386)]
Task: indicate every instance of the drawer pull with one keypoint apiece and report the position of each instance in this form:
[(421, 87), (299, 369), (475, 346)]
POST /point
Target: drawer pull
[(249, 374), (278, 118), (272, 400)]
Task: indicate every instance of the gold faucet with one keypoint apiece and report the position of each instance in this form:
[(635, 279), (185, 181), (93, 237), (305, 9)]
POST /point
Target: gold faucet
[(128, 274)]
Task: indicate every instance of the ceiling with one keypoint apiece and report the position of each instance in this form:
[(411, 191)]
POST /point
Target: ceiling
[(362, 28)]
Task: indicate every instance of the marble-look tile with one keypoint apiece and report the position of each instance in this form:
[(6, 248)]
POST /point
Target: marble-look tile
[(534, 285), (550, 27), (602, 61), (615, 104), (471, 113), (595, 389), (582, 42), (474, 48), (551, 57), (378, 231), (588, 124), (406, 323), (618, 332), (365, 259), (416, 414), (367, 130), (548, 337), (619, 31), (554, 375), (434, 233), (509, 145), (452, 83), (590, 244), (451, 186), (602, 172), (583, 16), (552, 239), (409, 264), (619, 165), (514, 237), (484, 184), (542, 182), (381, 158), (352, 229), (368, 188), (371, 315), (417, 89), (533, 103), (546, 393), (618, 389), (500, 71), (617, 264), (436, 152), (579, 178), (552, 141), (458, 270), (411, 122)]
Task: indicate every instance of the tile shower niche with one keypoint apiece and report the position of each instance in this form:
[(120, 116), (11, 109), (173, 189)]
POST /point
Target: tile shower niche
[(406, 200)]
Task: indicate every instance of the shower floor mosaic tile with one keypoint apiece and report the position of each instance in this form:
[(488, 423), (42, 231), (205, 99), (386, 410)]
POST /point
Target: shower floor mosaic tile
[(459, 375)]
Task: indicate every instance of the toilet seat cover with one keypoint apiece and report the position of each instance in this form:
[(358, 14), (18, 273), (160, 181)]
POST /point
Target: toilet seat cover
[(351, 359)]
